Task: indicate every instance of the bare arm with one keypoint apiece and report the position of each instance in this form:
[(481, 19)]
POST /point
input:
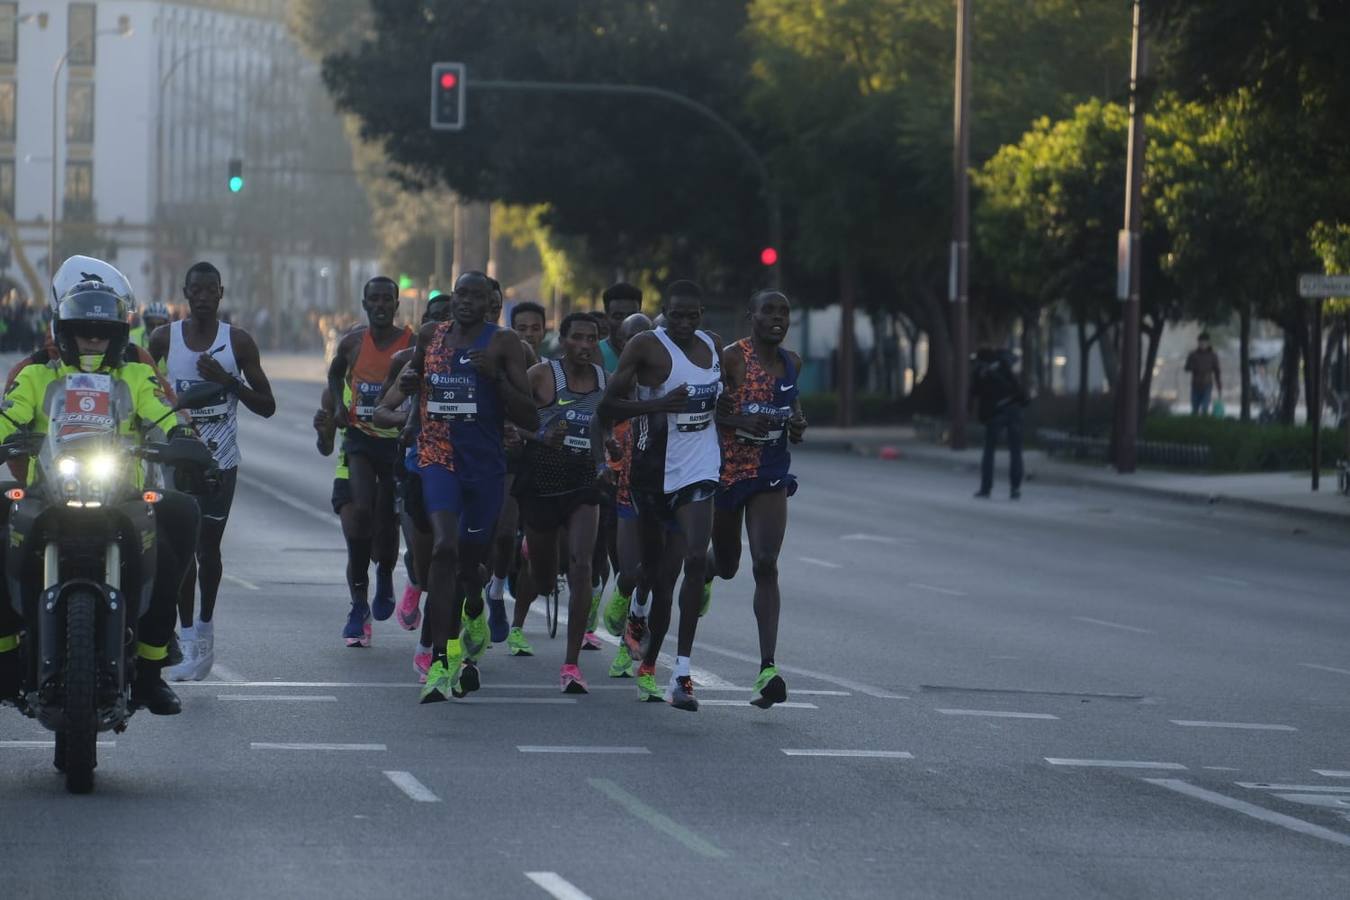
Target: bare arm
[(255, 391), (159, 344), (386, 413), (337, 376), (617, 405)]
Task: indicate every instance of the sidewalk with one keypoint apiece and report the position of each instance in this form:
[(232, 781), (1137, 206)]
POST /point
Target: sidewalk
[(1288, 493)]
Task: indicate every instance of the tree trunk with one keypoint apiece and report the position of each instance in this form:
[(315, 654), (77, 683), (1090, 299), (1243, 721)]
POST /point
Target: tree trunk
[(1244, 358), (848, 370), (1290, 358), (1154, 331), (1084, 348), (1029, 356), (1109, 348)]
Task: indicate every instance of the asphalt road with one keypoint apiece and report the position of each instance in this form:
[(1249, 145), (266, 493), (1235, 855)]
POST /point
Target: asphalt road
[(1078, 695)]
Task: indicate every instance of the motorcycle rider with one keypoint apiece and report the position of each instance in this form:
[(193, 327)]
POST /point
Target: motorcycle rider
[(91, 333)]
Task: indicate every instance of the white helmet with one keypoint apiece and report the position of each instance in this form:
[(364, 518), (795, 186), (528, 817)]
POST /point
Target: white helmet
[(78, 269)]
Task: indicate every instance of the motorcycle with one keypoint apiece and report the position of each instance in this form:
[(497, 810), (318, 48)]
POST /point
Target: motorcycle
[(80, 562)]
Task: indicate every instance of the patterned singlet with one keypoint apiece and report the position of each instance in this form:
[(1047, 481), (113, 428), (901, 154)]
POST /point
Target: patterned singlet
[(743, 454), (571, 467), (461, 411)]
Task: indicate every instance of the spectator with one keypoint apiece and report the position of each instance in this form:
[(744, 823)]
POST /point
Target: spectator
[(1001, 398), (1203, 364)]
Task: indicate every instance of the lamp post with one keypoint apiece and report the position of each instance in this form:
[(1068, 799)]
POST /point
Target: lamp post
[(123, 29), (958, 279)]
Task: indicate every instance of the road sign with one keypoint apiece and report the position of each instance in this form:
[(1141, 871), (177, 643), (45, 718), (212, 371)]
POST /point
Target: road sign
[(1321, 287)]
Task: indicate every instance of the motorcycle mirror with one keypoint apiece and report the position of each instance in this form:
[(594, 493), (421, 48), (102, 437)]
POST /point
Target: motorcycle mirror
[(199, 396)]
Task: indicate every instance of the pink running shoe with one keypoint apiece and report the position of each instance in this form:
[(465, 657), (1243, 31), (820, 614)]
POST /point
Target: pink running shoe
[(590, 641), (572, 682), (422, 663), (409, 612)]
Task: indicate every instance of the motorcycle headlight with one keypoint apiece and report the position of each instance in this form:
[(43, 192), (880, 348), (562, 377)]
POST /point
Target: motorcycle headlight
[(67, 466), (102, 467)]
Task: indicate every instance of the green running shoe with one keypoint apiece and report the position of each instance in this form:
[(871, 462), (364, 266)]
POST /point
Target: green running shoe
[(648, 690), (593, 617), (622, 667), (517, 645), (616, 613), (437, 688), (769, 688), (707, 599), (474, 633)]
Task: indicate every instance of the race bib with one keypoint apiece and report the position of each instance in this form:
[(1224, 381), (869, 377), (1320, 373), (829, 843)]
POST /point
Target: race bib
[(218, 411), (779, 414), (87, 405), (698, 411), (578, 437), (452, 398), (366, 396)]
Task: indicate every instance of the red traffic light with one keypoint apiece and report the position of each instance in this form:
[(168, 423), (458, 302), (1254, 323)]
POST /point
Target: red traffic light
[(768, 256), (449, 80)]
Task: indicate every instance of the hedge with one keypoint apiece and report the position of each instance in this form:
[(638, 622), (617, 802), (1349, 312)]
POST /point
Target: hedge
[(1245, 446)]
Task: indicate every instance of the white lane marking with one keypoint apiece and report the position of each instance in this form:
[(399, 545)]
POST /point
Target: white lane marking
[(408, 784), (1107, 624), (702, 677), (858, 686), (1251, 809), (520, 701), (225, 674), (936, 590), (1240, 726), (539, 748), (657, 820), (861, 754), (290, 698), (724, 688), (248, 585), (996, 714), (557, 886), (43, 745), (287, 499), (1222, 768), (1325, 668), (746, 703), (1114, 763), (1328, 801), (819, 562), (263, 745), (875, 539), (1294, 788), (1333, 773), (1233, 582)]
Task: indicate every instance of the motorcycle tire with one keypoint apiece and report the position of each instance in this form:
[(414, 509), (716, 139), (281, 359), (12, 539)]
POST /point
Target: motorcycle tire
[(551, 612), (81, 711)]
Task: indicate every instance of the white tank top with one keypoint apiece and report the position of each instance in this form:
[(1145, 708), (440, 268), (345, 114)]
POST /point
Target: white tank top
[(685, 447), (218, 423)]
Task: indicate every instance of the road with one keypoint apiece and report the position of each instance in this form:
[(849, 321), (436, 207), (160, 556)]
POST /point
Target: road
[(1078, 695)]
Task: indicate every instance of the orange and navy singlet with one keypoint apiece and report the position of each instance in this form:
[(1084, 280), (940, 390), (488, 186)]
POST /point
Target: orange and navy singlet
[(462, 413), (744, 455), (367, 377)]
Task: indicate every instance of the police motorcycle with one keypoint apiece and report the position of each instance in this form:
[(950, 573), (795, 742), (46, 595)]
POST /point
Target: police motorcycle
[(80, 560)]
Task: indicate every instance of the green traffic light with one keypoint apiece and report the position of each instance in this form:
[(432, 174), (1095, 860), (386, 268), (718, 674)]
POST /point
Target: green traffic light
[(236, 184), (404, 282)]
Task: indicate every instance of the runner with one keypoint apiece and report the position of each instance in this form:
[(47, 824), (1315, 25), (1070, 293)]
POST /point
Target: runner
[(757, 417), (197, 349), (559, 486), (630, 598), (677, 372), (155, 315), (470, 375), (360, 366)]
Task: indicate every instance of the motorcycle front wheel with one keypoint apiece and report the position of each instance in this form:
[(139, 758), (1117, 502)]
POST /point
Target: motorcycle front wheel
[(77, 745)]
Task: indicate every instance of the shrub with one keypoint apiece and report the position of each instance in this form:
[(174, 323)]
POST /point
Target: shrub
[(1241, 446)]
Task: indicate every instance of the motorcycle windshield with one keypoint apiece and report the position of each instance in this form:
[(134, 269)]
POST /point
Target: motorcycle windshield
[(83, 410)]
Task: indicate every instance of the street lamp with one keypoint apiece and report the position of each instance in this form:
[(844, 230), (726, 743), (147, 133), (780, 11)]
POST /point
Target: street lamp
[(123, 29)]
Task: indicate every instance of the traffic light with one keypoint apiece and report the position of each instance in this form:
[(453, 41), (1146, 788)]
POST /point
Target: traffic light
[(768, 256), (447, 96), (236, 175), (404, 282)]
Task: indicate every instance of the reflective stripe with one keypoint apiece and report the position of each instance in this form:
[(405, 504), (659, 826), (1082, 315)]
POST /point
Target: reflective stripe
[(152, 653), (8, 642)]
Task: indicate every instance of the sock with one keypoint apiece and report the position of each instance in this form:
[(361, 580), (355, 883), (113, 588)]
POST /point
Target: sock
[(187, 634), (637, 607), (205, 620), (766, 663), (681, 667), (204, 628), (497, 588)]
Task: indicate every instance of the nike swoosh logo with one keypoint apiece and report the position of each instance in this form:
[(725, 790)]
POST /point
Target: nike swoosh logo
[(786, 387), (775, 483), (566, 402), (475, 530), (465, 360)]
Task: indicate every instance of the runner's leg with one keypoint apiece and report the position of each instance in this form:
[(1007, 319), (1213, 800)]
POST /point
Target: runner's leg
[(581, 531), (695, 520), (726, 542), (766, 523)]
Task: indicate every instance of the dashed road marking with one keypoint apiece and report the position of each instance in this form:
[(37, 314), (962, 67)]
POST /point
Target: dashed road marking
[(858, 686), (861, 754), (820, 562), (1238, 726), (1114, 763), (657, 820), (519, 701), (1333, 773), (1322, 668), (538, 748), (408, 784), (287, 698), (224, 674), (996, 714), (262, 745), (1251, 809), (702, 677), (1294, 788), (933, 588), (45, 745), (746, 703), (247, 585), (557, 886), (875, 539), (1221, 768), (1106, 624)]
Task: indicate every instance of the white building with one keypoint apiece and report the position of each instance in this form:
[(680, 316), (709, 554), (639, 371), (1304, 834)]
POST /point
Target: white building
[(148, 122)]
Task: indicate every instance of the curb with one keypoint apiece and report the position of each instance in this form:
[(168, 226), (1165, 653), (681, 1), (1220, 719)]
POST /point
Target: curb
[(924, 455)]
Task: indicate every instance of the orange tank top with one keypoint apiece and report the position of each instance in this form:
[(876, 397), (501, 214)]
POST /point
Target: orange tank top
[(367, 377)]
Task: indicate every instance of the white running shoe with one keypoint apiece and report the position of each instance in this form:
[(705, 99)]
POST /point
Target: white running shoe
[(187, 642), (206, 650)]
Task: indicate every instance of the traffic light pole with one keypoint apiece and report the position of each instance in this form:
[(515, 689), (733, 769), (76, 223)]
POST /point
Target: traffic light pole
[(638, 90), (958, 287), (1128, 380)]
